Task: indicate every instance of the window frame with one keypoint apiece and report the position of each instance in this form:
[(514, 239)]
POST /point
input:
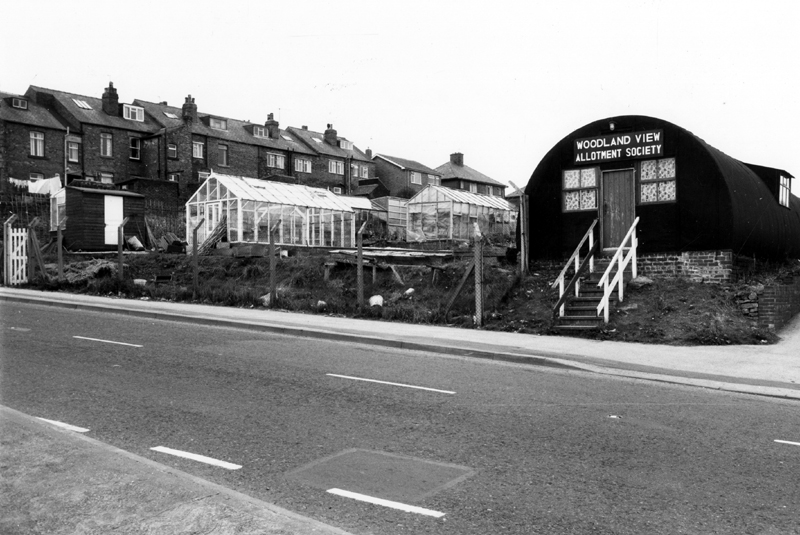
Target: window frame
[(73, 145), (19, 103), (198, 147), (657, 181), (32, 178), (473, 187), (336, 167), (106, 178), (36, 148), (260, 131), (128, 113), (221, 124), (276, 160), (106, 145), (580, 188), (223, 155), (172, 151), (364, 171), (415, 177), (135, 145), (302, 165)]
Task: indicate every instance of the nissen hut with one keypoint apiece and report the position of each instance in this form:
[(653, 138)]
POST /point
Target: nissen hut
[(692, 200)]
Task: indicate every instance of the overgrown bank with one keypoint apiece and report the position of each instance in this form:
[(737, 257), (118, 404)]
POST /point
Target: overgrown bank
[(668, 311)]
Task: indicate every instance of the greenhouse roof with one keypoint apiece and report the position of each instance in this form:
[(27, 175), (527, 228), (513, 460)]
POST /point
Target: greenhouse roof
[(280, 193), (466, 197)]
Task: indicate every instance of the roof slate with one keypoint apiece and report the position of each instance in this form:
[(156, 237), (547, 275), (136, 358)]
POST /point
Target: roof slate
[(237, 130), (96, 115), (407, 164), (35, 115), (307, 136), (449, 171)]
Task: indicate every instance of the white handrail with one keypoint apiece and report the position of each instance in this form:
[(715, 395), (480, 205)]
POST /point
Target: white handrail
[(623, 261), (576, 256)]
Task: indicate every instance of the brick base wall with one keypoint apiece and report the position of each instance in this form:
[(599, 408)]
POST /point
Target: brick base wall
[(696, 266)]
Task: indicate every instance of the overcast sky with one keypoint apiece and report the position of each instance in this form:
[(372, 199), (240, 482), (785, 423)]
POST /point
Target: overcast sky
[(501, 82)]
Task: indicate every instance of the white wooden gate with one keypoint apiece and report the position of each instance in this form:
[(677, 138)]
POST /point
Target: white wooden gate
[(15, 256)]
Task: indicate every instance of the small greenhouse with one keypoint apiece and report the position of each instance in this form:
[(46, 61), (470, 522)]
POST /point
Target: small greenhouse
[(308, 216), (439, 213)]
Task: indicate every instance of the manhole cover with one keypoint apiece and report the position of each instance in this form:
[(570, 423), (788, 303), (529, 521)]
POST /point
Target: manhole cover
[(379, 474)]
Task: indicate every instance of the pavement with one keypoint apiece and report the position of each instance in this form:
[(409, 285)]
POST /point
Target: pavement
[(59, 481)]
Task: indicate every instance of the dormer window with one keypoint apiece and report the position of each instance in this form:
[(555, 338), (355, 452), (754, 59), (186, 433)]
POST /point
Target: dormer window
[(81, 104), (784, 189), (218, 124), (133, 113), (260, 131), (19, 103), (346, 145)]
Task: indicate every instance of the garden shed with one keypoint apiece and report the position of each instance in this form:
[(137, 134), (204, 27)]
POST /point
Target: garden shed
[(94, 215), (308, 216), (439, 213), (689, 196)]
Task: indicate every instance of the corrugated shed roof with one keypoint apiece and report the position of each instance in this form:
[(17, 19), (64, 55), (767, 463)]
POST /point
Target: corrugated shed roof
[(449, 171), (357, 203), (403, 163), (365, 190), (237, 131), (114, 192), (320, 147), (35, 115), (468, 198), (279, 193), (96, 115)]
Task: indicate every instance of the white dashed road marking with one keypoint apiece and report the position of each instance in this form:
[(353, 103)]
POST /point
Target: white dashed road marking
[(107, 341), (65, 426), (388, 383), (196, 457), (386, 503), (787, 442)]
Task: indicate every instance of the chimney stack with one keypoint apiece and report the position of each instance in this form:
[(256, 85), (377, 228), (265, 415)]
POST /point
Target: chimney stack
[(457, 159), (369, 154), (111, 100), (330, 136), (189, 110), (272, 126)]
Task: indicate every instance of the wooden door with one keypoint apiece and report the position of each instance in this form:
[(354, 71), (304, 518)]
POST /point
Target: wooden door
[(112, 212), (618, 206)]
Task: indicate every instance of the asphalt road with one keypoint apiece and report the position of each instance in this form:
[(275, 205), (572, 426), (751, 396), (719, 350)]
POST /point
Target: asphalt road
[(481, 447)]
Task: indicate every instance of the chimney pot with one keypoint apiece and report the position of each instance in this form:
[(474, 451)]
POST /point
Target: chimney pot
[(189, 110), (330, 135)]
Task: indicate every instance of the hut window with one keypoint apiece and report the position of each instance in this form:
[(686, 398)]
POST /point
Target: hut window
[(657, 181), (784, 189), (580, 189)]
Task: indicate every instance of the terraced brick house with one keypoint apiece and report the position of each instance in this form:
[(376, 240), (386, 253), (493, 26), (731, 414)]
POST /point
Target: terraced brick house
[(337, 165), (404, 177), (456, 175)]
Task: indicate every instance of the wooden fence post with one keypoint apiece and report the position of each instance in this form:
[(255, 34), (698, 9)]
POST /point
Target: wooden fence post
[(120, 240), (7, 249), (194, 257), (60, 243), (478, 276), (360, 265), (273, 291)]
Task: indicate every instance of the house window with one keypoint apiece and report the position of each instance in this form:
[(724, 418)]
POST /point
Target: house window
[(36, 176), (223, 155), (172, 151), (106, 145), (433, 179), (37, 144), (337, 191), (301, 165), (364, 171), (580, 189), (354, 170), (136, 148), (72, 151), (784, 188), (81, 104), (219, 124), (416, 178), (133, 113), (336, 167), (202, 175), (657, 181), (275, 160), (174, 177), (473, 188), (107, 178), (259, 131), (346, 145), (197, 149), (19, 103)]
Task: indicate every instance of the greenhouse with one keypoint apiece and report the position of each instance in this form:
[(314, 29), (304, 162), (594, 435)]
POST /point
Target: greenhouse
[(307, 216), (439, 213)]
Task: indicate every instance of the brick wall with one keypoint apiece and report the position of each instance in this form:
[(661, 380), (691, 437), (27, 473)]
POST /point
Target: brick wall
[(696, 266), (20, 164), (772, 305)]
